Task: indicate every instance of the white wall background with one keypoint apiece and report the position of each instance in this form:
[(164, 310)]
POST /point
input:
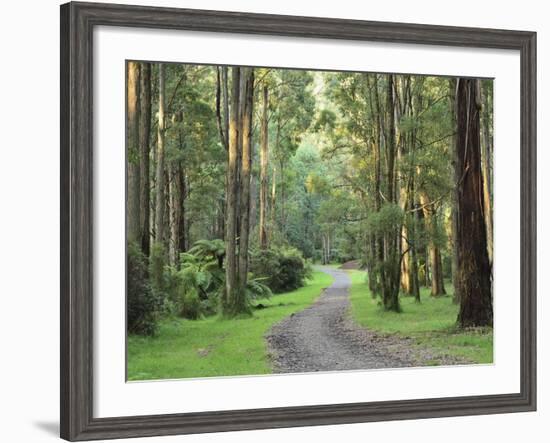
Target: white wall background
[(29, 214)]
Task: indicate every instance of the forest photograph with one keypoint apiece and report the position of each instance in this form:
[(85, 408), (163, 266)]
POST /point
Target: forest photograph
[(295, 221)]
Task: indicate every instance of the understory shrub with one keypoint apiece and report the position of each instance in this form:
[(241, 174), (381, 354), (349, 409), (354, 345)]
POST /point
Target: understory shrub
[(201, 280), (144, 304), (191, 289), (282, 269)]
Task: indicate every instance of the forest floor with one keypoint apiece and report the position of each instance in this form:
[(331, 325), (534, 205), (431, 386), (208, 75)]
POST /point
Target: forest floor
[(429, 327), (323, 337), (332, 323), (217, 347), (342, 332)]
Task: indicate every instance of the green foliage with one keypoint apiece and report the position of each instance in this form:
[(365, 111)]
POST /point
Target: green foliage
[(214, 347), (430, 324), (199, 279), (193, 289), (281, 268), (256, 289), (387, 220), (143, 304)]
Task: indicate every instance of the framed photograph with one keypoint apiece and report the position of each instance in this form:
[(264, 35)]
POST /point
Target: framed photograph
[(273, 221)]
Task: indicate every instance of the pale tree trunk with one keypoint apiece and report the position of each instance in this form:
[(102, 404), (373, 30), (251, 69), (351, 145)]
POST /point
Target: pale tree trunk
[(329, 254), (456, 179), (222, 117), (405, 263), (474, 270), (272, 204), (174, 212), (182, 224), (263, 170), (434, 253), (326, 259), (144, 148), (403, 180), (242, 100), (225, 95), (231, 194), (246, 163), (133, 153), (282, 199), (486, 157), (377, 110), (159, 200), (415, 284)]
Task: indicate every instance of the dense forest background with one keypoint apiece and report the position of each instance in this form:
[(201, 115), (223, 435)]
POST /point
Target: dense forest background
[(239, 178)]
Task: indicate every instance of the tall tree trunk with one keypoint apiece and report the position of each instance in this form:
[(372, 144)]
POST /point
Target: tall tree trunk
[(282, 199), (182, 223), (391, 271), (434, 253), (246, 163), (159, 199), (222, 129), (144, 158), (376, 110), (174, 211), (264, 143), (231, 197), (474, 270), (225, 97), (405, 263), (454, 196), (486, 158), (438, 287), (415, 284), (133, 154), (391, 142), (272, 213)]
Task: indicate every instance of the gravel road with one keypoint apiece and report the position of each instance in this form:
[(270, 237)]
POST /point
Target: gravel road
[(323, 337)]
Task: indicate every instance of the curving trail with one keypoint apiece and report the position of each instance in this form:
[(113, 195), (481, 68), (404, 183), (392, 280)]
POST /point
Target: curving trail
[(323, 337)]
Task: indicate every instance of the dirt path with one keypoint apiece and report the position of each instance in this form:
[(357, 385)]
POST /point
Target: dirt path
[(323, 337)]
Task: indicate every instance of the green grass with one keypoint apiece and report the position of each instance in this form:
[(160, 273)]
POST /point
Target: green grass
[(431, 323), (216, 347)]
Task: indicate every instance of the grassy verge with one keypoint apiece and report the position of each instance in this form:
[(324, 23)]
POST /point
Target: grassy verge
[(431, 323), (216, 347)]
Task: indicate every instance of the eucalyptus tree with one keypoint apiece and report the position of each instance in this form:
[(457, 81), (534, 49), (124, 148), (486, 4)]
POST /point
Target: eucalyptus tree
[(133, 164), (144, 156), (474, 270), (238, 191), (159, 171)]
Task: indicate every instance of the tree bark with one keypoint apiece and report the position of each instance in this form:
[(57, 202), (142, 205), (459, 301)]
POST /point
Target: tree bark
[(231, 197), (486, 157), (391, 270), (144, 158), (379, 241), (174, 212), (474, 271), (246, 164), (264, 146), (183, 236), (272, 213), (430, 217), (454, 196), (159, 199), (415, 284), (405, 263), (133, 154)]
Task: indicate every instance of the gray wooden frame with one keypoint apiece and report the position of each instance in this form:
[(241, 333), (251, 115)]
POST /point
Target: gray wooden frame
[(77, 23)]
